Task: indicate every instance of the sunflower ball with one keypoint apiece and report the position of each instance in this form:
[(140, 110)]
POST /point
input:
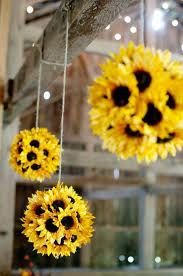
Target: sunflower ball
[(137, 104), (57, 221), (35, 154)]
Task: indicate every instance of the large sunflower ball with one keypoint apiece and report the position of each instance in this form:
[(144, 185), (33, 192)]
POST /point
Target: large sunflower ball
[(35, 154), (137, 104), (57, 221)]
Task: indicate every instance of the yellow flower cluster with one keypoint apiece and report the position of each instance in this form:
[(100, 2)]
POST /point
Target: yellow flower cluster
[(137, 104), (35, 154), (57, 221)]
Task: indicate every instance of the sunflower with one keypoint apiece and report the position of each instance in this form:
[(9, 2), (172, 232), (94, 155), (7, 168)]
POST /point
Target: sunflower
[(57, 221), (136, 102), (35, 154), (150, 150)]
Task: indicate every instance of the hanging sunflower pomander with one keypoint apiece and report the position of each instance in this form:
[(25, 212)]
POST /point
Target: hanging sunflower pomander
[(57, 221), (35, 154), (137, 104)]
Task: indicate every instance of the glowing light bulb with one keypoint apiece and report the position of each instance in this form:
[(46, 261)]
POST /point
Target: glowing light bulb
[(157, 20), (127, 19), (30, 9), (108, 27), (175, 22), (133, 29), (117, 36), (116, 173), (182, 47), (165, 5), (131, 259), (46, 95), (122, 258), (158, 260)]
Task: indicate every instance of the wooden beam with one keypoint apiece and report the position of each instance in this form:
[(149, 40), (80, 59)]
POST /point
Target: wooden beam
[(147, 221), (7, 201), (97, 272), (87, 20), (13, 60)]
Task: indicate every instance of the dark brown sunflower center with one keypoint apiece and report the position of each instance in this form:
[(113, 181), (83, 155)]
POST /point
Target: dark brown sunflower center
[(153, 115), (120, 96), (61, 242), (31, 156), (58, 204), (38, 233), (132, 133), (166, 139), (143, 79), (50, 226), (71, 199), (35, 167), (68, 222), (24, 169), (78, 217), (109, 127), (34, 143), (20, 149), (45, 152), (39, 211), (73, 238), (171, 101)]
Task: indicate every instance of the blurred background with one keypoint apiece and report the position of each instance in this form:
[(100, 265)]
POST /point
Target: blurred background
[(138, 209)]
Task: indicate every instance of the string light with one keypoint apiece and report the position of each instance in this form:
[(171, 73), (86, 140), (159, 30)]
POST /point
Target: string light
[(131, 259), (117, 36), (157, 20), (46, 95), (30, 9), (127, 19), (158, 260), (165, 5), (108, 27), (175, 22), (116, 173), (122, 258), (133, 29)]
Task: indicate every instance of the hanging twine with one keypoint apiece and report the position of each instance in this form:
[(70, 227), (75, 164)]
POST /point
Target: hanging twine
[(63, 94), (39, 90), (142, 21)]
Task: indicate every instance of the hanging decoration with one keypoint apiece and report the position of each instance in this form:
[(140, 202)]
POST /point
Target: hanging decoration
[(35, 154), (137, 104), (57, 221)]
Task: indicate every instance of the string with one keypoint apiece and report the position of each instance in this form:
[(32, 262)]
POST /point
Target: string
[(39, 91), (63, 94), (142, 20)]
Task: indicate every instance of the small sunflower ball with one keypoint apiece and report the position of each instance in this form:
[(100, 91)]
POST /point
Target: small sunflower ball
[(137, 104), (35, 154), (57, 221)]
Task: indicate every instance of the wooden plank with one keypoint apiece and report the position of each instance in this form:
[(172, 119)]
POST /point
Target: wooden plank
[(133, 272), (147, 221), (13, 60), (87, 19), (7, 201)]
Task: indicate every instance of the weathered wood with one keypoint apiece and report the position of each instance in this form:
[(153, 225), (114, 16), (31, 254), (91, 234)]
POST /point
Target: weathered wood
[(7, 201), (90, 272), (87, 19), (7, 177), (147, 214)]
